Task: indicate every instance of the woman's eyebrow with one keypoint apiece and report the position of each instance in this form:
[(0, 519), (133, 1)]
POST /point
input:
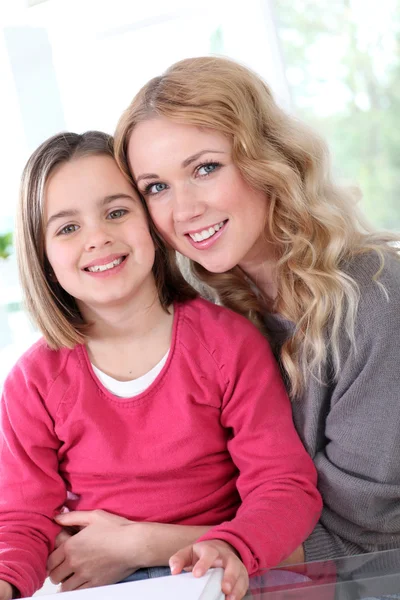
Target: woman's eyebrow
[(188, 161)]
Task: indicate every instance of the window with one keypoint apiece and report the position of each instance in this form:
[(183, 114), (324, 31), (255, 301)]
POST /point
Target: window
[(342, 61)]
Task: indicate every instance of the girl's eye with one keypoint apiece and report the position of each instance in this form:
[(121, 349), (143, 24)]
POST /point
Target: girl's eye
[(68, 229), (117, 214), (207, 168), (154, 188)]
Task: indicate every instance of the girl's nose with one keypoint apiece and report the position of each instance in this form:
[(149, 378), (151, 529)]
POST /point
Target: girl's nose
[(98, 237)]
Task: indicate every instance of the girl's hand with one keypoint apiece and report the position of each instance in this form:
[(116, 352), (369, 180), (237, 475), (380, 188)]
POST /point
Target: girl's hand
[(99, 554), (6, 590), (201, 556)]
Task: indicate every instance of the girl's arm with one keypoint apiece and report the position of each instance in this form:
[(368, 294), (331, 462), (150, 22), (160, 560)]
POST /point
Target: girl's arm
[(31, 489), (277, 479)]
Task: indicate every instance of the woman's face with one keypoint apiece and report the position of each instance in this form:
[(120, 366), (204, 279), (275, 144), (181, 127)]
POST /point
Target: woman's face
[(197, 197)]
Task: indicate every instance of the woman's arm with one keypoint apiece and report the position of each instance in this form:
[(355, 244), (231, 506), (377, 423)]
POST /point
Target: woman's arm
[(359, 467)]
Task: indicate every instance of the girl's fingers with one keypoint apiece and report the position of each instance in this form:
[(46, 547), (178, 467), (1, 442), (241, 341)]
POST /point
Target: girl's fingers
[(181, 559), (239, 589), (207, 559), (235, 581)]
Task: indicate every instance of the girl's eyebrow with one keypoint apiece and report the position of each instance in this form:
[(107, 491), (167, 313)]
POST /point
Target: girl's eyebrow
[(188, 161), (62, 214)]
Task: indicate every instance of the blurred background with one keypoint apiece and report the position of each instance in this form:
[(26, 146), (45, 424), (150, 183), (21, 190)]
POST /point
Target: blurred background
[(76, 64)]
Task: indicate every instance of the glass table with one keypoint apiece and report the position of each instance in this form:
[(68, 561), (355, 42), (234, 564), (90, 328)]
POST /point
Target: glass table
[(362, 577)]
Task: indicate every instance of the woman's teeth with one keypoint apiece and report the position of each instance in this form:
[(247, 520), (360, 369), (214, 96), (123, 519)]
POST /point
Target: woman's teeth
[(111, 265), (206, 233)]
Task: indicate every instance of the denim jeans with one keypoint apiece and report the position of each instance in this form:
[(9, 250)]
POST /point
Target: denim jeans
[(147, 573)]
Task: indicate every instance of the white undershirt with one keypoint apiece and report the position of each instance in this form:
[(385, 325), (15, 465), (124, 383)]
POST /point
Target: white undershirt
[(128, 389)]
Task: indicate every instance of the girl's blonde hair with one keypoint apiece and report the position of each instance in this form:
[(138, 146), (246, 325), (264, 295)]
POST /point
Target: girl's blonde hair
[(54, 311), (313, 223)]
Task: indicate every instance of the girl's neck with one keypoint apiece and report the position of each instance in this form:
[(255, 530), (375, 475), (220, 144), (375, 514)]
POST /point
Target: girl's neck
[(133, 321), (127, 341)]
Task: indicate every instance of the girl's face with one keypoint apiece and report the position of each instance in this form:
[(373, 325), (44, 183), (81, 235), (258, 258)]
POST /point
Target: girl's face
[(96, 234), (197, 197)]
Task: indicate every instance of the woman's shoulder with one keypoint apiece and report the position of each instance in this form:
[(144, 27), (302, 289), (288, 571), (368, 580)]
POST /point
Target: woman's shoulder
[(378, 281), (376, 275)]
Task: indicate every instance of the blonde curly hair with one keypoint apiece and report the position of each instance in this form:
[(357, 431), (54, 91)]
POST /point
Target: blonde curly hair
[(314, 223)]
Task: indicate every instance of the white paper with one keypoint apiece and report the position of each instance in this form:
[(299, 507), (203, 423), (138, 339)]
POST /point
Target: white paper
[(176, 587)]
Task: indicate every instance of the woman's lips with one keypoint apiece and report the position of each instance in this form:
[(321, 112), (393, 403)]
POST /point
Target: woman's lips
[(207, 243)]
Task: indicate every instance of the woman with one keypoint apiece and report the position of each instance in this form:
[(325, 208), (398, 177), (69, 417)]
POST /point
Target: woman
[(244, 192)]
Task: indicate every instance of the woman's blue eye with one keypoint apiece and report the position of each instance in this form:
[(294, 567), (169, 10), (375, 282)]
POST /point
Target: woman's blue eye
[(68, 229), (155, 188), (208, 168), (117, 214)]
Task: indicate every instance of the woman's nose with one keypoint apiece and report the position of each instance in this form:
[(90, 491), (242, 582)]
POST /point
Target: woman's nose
[(187, 205)]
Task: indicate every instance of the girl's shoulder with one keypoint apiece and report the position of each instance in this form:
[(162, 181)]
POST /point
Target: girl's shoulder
[(212, 332), (40, 366), (208, 320)]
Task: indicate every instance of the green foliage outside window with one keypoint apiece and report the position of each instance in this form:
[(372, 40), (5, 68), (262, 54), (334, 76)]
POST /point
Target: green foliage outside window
[(343, 65), (5, 245)]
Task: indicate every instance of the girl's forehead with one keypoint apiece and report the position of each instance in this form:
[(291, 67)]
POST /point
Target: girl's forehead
[(83, 179)]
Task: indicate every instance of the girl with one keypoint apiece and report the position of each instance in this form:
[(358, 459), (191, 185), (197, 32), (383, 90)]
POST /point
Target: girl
[(244, 192), (141, 399)]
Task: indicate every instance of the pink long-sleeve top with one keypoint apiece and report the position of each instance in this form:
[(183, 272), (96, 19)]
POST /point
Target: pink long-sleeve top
[(210, 442)]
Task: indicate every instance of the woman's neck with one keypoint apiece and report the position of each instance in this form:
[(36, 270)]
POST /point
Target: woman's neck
[(262, 272)]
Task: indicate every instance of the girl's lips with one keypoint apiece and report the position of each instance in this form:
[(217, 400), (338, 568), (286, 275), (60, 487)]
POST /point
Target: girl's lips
[(108, 272), (206, 244)]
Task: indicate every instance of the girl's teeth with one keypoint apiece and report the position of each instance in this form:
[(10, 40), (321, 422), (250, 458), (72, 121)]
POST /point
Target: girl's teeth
[(111, 265), (206, 233)]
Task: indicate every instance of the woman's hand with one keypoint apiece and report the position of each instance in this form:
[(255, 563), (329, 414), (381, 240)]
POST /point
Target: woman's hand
[(201, 556), (108, 548), (100, 554)]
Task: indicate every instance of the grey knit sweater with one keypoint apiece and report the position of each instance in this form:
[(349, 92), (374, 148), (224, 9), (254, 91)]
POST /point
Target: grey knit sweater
[(352, 428)]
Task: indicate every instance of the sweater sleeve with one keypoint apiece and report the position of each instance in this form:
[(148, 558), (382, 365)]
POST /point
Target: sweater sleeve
[(32, 491), (277, 479), (359, 467)]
